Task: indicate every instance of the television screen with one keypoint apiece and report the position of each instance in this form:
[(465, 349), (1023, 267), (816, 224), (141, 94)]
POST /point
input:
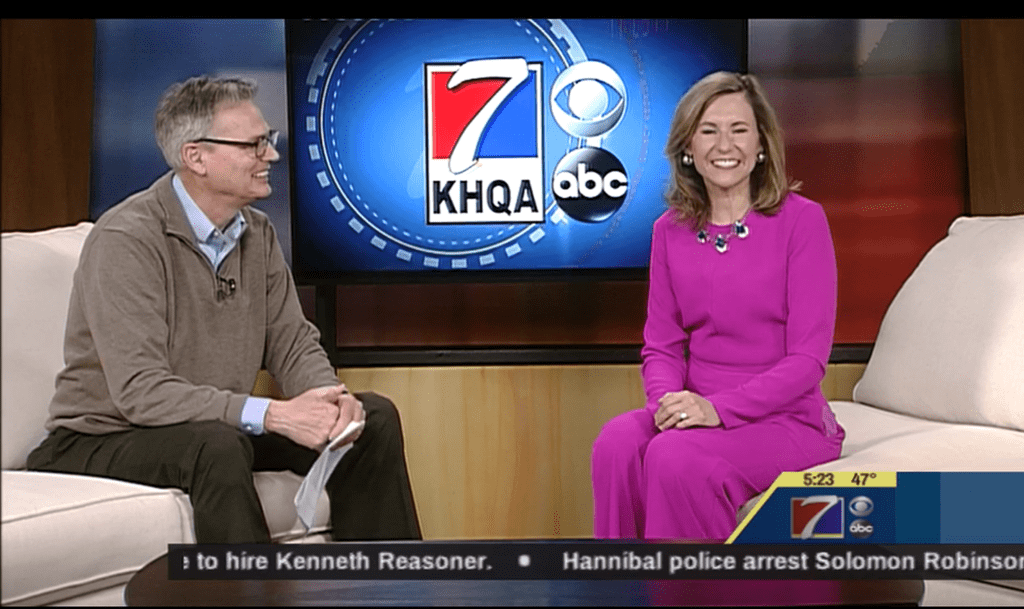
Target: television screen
[(472, 149)]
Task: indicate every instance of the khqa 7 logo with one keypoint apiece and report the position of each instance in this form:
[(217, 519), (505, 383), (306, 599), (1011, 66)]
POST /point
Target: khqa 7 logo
[(816, 517), (484, 143)]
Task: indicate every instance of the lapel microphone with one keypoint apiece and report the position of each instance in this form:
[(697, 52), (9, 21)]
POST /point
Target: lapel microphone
[(226, 287)]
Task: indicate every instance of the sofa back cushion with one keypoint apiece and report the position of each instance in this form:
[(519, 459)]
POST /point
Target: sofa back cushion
[(951, 345), (38, 269)]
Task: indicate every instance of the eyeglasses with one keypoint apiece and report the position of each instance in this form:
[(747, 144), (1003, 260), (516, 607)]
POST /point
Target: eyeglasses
[(260, 145)]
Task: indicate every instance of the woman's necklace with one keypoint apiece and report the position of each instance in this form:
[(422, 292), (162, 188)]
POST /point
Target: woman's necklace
[(721, 240)]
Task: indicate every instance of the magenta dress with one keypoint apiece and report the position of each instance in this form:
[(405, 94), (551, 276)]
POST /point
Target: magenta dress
[(751, 331)]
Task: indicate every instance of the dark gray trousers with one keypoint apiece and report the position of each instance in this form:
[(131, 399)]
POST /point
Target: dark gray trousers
[(371, 498)]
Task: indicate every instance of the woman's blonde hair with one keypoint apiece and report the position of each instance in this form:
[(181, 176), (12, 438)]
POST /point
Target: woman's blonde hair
[(687, 194)]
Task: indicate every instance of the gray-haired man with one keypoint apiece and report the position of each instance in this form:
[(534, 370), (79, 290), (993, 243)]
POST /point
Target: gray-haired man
[(180, 297)]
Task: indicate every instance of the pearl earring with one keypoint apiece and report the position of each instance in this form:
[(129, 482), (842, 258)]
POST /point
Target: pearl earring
[(687, 159), (761, 157)]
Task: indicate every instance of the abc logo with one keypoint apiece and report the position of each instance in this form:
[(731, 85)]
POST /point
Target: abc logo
[(590, 184), (861, 506), (861, 528)]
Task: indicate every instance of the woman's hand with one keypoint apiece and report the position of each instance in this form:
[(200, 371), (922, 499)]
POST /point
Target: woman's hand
[(685, 409)]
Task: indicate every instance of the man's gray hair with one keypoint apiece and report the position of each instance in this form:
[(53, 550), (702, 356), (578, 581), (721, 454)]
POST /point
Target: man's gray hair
[(186, 110)]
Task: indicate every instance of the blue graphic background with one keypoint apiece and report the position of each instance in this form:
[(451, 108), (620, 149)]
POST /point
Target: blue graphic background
[(359, 176), (923, 508)]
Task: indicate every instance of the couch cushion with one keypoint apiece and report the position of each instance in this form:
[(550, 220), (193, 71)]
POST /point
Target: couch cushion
[(277, 495), (123, 526), (64, 535), (881, 440), (950, 345), (37, 274)]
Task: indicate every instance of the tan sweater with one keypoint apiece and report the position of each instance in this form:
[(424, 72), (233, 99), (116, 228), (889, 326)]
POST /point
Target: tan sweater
[(149, 341)]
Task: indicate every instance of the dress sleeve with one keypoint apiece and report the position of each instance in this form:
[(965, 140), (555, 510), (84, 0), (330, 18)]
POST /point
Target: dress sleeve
[(124, 299), (293, 354), (811, 293), (664, 363)]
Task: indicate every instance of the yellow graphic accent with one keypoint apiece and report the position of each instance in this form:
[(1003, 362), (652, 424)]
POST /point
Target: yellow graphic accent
[(837, 479)]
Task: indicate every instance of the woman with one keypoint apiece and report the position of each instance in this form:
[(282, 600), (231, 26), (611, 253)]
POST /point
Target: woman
[(740, 315)]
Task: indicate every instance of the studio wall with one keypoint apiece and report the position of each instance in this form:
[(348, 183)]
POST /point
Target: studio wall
[(46, 106), (494, 451)]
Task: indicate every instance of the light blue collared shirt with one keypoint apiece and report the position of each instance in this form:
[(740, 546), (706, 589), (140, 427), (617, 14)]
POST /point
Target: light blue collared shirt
[(216, 245)]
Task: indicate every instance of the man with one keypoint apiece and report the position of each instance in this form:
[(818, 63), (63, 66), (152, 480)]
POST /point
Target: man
[(180, 297)]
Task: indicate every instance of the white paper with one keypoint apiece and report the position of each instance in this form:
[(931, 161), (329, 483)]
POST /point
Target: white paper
[(314, 482)]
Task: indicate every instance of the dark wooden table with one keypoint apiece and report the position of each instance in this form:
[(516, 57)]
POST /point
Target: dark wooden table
[(150, 586)]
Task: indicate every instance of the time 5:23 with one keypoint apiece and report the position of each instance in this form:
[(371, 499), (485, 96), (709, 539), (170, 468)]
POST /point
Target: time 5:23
[(819, 479)]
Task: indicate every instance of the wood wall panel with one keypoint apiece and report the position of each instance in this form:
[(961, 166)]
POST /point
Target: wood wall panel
[(840, 379), (993, 56), (503, 452), (47, 97)]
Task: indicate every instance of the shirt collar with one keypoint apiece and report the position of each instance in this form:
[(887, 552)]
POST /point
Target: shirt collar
[(203, 228)]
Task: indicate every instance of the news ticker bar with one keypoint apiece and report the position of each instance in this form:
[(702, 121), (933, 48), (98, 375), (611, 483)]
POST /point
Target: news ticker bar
[(504, 560)]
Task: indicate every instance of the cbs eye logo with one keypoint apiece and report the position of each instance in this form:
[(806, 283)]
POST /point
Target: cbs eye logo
[(590, 183), (860, 507)]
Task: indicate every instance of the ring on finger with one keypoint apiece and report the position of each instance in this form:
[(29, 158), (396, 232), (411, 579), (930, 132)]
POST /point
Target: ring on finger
[(682, 415)]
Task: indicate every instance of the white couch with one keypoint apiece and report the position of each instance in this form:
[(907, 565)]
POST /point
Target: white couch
[(944, 387), (79, 539)]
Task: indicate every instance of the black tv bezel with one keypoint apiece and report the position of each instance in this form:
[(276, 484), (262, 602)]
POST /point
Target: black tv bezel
[(438, 276)]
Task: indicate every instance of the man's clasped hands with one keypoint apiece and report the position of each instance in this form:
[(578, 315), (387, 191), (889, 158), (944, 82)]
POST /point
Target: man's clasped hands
[(314, 417)]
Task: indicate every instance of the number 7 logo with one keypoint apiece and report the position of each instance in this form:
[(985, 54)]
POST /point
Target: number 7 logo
[(514, 71), (818, 516), (483, 101)]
